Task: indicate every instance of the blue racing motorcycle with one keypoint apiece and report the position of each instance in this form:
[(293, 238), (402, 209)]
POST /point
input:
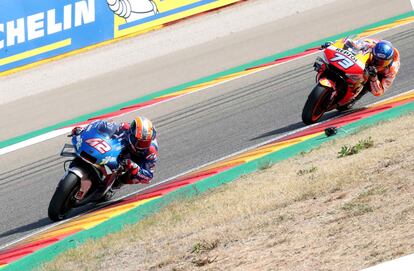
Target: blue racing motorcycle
[(92, 171)]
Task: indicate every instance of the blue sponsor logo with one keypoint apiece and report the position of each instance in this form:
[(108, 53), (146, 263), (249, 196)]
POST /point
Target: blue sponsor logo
[(27, 25)]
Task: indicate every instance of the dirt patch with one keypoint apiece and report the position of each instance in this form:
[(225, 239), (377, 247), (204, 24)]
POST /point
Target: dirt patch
[(317, 211)]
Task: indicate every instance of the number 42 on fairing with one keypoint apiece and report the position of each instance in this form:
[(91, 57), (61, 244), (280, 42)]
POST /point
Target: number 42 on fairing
[(99, 144)]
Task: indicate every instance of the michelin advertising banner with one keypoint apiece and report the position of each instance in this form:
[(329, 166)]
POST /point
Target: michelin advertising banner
[(34, 30)]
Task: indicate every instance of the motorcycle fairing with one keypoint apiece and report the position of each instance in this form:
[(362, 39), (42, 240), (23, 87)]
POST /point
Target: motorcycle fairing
[(327, 83), (99, 147), (347, 58)]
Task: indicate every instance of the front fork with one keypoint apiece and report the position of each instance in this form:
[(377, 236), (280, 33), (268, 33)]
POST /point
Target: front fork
[(85, 182), (327, 83)]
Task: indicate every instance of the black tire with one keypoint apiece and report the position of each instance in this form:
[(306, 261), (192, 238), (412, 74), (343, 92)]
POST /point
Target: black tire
[(62, 200), (315, 105)]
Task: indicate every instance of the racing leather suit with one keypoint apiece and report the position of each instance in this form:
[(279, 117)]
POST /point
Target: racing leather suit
[(380, 83), (141, 164)]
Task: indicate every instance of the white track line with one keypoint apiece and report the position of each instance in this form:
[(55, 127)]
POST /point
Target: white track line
[(405, 263), (63, 131), (192, 170), (66, 130), (35, 140)]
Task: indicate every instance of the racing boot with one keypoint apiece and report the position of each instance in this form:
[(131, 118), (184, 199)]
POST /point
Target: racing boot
[(108, 195)]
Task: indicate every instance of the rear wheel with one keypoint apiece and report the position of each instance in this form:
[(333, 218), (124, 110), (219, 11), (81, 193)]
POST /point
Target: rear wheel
[(63, 199), (316, 105)]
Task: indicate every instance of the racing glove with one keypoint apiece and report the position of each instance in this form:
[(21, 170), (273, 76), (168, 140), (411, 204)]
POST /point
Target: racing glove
[(326, 44), (75, 131), (130, 166), (138, 174), (372, 72)]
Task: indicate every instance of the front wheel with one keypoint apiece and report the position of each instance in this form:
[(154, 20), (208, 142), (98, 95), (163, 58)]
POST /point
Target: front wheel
[(316, 104), (63, 199)]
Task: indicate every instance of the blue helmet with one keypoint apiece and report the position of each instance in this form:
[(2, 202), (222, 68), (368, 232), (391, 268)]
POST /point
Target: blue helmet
[(383, 53)]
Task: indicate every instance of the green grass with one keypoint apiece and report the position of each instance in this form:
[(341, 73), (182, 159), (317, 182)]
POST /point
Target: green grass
[(347, 150)]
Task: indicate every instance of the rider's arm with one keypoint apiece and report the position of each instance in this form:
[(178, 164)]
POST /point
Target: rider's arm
[(138, 174), (145, 172), (152, 156), (123, 127), (378, 87)]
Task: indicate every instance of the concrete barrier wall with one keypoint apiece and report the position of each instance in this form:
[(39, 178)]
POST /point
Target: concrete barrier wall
[(33, 30)]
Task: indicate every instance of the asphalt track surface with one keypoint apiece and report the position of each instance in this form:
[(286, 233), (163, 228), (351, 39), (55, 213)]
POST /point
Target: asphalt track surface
[(136, 80), (193, 130)]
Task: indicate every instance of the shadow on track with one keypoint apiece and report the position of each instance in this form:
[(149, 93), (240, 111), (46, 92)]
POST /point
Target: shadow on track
[(297, 125), (46, 221), (32, 226), (282, 130)]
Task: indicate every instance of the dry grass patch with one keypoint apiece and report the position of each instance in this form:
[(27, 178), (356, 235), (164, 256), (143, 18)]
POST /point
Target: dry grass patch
[(312, 212)]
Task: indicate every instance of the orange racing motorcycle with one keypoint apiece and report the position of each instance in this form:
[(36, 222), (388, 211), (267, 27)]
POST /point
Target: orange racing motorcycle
[(341, 77)]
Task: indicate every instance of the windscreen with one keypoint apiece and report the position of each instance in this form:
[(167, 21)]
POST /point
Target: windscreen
[(353, 46), (106, 129)]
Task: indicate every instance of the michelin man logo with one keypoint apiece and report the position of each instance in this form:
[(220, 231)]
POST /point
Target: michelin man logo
[(132, 10)]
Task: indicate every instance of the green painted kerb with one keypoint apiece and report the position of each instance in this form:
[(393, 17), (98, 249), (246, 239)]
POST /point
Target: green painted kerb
[(149, 97), (133, 216)]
